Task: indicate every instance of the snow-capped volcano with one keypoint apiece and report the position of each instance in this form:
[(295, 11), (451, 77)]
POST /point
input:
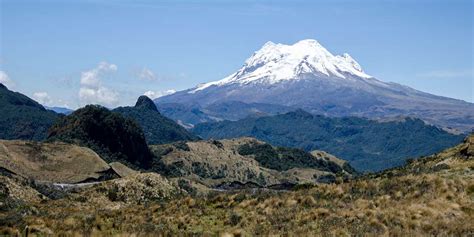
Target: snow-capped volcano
[(278, 78), (278, 62)]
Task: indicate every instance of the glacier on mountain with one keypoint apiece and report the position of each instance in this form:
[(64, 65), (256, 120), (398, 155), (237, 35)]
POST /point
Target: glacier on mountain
[(305, 75), (278, 62)]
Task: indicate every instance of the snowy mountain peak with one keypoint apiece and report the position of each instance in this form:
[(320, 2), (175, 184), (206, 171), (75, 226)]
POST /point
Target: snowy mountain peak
[(348, 59), (279, 62), (268, 44), (309, 43)]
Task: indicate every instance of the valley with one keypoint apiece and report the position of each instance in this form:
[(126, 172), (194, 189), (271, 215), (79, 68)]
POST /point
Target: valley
[(429, 196), (296, 142), (368, 145), (236, 118), (132, 170)]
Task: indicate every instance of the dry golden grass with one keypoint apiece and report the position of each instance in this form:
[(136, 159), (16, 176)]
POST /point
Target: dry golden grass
[(51, 162), (420, 199)]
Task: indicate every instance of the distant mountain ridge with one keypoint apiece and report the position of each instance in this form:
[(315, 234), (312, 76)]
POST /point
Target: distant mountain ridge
[(60, 110), (157, 128), (190, 114), (305, 75), (122, 134), (22, 117), (368, 145)]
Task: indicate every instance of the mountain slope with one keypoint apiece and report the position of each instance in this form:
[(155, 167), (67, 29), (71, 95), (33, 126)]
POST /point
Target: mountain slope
[(112, 136), (22, 117), (157, 128), (274, 63), (366, 144), (245, 162), (60, 110), (188, 115), (52, 162), (431, 196), (305, 75)]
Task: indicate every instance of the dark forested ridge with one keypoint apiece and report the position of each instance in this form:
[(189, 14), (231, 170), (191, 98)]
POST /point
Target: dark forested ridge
[(22, 117), (283, 158), (368, 145), (112, 136), (157, 128)]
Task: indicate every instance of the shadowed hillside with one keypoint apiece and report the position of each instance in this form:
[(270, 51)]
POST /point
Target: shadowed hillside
[(157, 128), (22, 117), (112, 136)]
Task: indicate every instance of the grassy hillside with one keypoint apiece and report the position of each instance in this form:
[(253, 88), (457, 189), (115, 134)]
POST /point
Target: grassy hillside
[(52, 162), (22, 117), (283, 158), (368, 145), (157, 128), (244, 162), (432, 196)]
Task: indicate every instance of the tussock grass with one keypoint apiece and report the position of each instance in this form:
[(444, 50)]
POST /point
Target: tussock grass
[(415, 200)]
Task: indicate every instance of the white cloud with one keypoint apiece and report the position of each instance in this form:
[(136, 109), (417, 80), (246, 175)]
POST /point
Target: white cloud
[(92, 91), (101, 95), (42, 98), (91, 78), (5, 80), (147, 74), (448, 73), (157, 94), (62, 103)]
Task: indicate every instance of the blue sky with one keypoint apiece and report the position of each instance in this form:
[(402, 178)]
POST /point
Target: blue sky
[(68, 53)]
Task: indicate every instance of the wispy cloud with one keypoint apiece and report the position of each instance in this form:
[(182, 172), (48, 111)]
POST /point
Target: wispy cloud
[(157, 94), (147, 74), (5, 80), (91, 78), (43, 98), (448, 73), (92, 91)]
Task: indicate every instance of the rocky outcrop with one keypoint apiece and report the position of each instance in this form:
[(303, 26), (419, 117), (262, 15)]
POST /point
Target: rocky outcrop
[(157, 128)]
